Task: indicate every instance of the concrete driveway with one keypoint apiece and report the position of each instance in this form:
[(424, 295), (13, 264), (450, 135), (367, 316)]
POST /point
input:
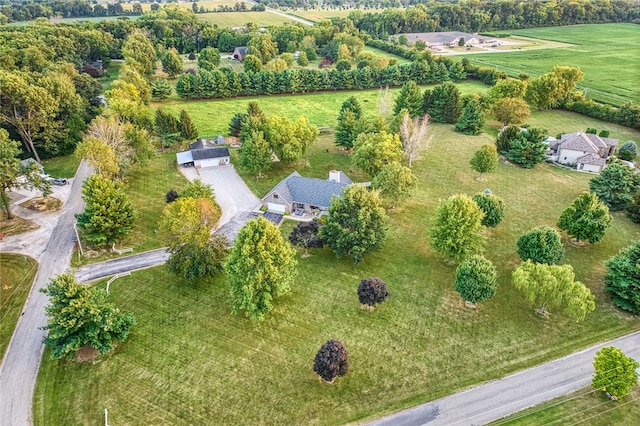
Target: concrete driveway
[(232, 195)]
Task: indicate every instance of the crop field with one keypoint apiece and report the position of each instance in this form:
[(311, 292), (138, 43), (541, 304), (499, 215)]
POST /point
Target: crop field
[(190, 361), (240, 19), (207, 4), (319, 15), (607, 54)]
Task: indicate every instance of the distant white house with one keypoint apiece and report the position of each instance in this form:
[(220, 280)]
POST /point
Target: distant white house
[(202, 154), (587, 151), (448, 38)]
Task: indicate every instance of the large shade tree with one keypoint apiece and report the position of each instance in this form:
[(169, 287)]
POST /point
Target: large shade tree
[(586, 218), (79, 316), (455, 229), (331, 361), (395, 182), (615, 373), (476, 279), (372, 151), (541, 245), (554, 286), (260, 268), (357, 223)]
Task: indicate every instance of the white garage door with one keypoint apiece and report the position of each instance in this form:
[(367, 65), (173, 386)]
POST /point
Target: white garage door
[(209, 162), (275, 208)]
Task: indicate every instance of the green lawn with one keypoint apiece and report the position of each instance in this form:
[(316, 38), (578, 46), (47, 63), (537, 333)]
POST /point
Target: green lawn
[(377, 51), (608, 54), (17, 273), (586, 406), (146, 188), (240, 19), (190, 361), (62, 167), (212, 116)]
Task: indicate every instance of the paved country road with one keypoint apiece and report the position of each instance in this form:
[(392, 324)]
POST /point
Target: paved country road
[(500, 398), (20, 365)]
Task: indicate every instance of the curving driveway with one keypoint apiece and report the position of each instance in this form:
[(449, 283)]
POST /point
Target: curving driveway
[(232, 195)]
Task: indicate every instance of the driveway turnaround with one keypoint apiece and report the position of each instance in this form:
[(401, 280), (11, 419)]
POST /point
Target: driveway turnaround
[(20, 365), (232, 195), (500, 398)]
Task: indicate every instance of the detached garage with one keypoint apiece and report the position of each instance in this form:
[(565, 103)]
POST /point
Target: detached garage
[(200, 156)]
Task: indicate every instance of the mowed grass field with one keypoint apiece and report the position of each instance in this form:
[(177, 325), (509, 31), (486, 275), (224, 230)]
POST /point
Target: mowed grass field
[(608, 54), (146, 188), (240, 19), (587, 406), (17, 273), (190, 361), (319, 15)]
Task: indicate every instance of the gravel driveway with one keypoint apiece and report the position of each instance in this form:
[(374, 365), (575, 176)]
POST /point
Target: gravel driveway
[(232, 195)]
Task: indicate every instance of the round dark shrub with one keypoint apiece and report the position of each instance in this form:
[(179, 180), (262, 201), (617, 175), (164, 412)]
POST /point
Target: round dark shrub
[(192, 56), (541, 245), (92, 71), (190, 71), (343, 65), (493, 208), (332, 360), (372, 291), (628, 151), (172, 196)]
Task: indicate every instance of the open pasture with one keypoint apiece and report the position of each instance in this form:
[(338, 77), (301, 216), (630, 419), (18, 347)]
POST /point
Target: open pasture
[(190, 361), (606, 53)]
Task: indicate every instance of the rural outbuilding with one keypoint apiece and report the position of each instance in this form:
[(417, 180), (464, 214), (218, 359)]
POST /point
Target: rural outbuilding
[(202, 155)]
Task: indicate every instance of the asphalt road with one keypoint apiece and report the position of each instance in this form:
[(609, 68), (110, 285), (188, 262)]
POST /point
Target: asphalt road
[(500, 398), (120, 265), (20, 365)]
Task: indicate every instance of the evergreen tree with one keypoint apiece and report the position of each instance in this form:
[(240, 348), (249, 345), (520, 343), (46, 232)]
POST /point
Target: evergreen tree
[(79, 316), (472, 118), (443, 103), (622, 279), (528, 148), (252, 64), (476, 279), (160, 89), (235, 126), (260, 268), (411, 99), (628, 151), (108, 215), (350, 122), (187, 128), (455, 230), (586, 218), (615, 186), (172, 63), (303, 61), (357, 223)]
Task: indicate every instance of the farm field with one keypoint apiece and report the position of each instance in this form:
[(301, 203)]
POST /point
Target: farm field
[(606, 53), (17, 273), (190, 361), (319, 15), (240, 19), (586, 406)]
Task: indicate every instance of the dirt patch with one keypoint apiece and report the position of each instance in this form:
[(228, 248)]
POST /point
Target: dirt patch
[(16, 226), (87, 354), (41, 204)]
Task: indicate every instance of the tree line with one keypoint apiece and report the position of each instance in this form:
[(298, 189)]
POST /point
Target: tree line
[(492, 16)]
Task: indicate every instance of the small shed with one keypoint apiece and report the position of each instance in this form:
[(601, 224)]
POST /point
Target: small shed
[(239, 53), (204, 157)]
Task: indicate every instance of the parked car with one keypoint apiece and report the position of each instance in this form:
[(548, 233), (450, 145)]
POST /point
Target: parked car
[(59, 181)]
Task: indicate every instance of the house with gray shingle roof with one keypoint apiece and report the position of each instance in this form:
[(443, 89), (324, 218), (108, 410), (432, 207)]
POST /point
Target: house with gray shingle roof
[(302, 195), (587, 151)]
